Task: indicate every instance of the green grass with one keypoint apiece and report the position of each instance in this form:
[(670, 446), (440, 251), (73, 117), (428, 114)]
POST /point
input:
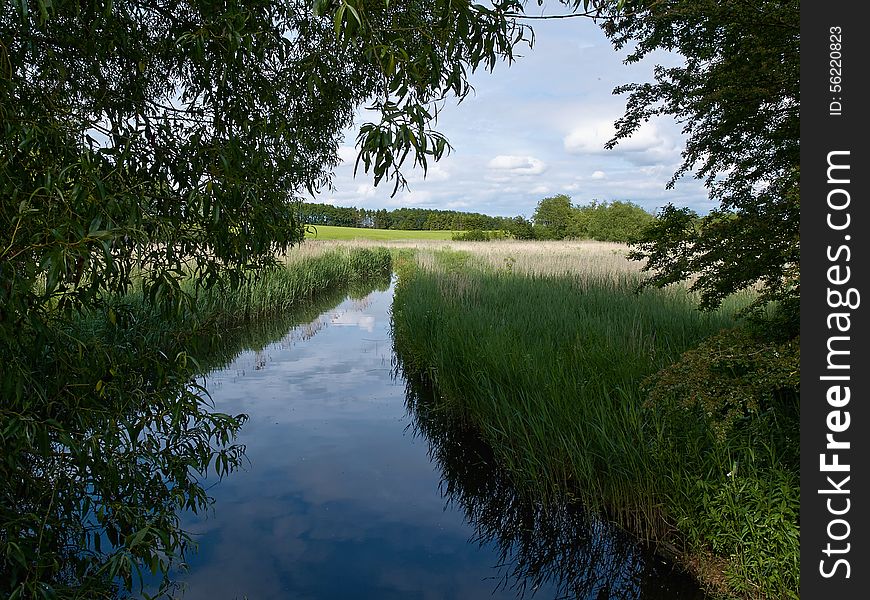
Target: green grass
[(282, 288), (329, 232), (551, 371)]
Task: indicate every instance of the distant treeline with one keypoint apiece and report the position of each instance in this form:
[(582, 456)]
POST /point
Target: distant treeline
[(554, 218), (421, 219)]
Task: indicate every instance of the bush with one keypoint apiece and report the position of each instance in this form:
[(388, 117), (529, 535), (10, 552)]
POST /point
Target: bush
[(728, 424), (609, 222), (731, 380)]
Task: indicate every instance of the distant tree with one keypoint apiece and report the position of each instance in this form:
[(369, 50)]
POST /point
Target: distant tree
[(552, 217), (520, 228), (615, 221), (581, 219), (382, 219)]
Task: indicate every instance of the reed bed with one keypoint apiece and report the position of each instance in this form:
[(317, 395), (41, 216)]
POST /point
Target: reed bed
[(546, 348), (550, 372), (521, 257), (302, 273), (293, 285)]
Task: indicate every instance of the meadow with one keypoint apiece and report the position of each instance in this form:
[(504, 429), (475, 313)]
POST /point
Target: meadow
[(330, 232), (677, 424)]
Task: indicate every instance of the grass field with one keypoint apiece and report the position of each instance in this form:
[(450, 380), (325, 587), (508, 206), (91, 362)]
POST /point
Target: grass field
[(328, 232)]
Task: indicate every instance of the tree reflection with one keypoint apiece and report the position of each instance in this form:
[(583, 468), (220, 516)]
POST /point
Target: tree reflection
[(555, 545), (98, 463)]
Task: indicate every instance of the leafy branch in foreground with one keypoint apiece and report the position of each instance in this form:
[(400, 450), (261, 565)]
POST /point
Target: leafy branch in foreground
[(737, 96)]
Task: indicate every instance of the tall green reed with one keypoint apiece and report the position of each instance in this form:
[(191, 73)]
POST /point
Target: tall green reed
[(554, 372), (550, 368)]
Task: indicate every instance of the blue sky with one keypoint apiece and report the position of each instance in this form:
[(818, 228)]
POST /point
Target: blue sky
[(538, 128)]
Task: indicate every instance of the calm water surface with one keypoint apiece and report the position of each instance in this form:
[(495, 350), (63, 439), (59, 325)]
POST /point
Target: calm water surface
[(345, 496)]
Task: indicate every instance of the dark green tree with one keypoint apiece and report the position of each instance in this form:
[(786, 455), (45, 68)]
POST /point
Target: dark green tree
[(616, 221), (552, 217), (737, 96), (520, 228)]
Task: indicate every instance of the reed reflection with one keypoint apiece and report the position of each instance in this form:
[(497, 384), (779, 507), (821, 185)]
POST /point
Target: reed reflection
[(553, 546)]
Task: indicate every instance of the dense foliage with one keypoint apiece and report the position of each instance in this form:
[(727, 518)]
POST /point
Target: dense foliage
[(737, 96), (730, 418), (557, 218), (145, 142)]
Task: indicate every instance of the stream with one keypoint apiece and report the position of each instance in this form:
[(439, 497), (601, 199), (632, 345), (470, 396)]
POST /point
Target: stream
[(352, 488)]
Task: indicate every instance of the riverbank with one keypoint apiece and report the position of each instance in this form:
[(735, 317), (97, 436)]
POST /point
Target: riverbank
[(676, 424)]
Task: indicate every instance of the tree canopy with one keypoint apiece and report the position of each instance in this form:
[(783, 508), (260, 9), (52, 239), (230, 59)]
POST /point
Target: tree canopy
[(618, 221), (315, 213), (737, 96), (552, 216)]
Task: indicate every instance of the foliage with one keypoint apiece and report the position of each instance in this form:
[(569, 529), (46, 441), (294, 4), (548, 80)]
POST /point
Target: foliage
[(95, 468), (732, 380), (615, 221), (422, 52), (753, 520), (520, 228), (731, 428), (552, 216), (557, 218), (737, 96)]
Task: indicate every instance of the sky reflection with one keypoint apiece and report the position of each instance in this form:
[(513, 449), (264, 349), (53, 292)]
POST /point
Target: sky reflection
[(340, 498)]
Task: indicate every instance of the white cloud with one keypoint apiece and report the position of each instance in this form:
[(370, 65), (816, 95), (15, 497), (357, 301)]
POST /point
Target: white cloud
[(366, 190), (598, 175), (540, 189), (436, 171), (457, 205), (411, 199), (651, 144), (589, 137), (518, 165), (347, 154)]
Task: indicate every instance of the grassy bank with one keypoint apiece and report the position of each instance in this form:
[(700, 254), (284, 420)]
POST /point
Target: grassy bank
[(294, 282), (551, 368)]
